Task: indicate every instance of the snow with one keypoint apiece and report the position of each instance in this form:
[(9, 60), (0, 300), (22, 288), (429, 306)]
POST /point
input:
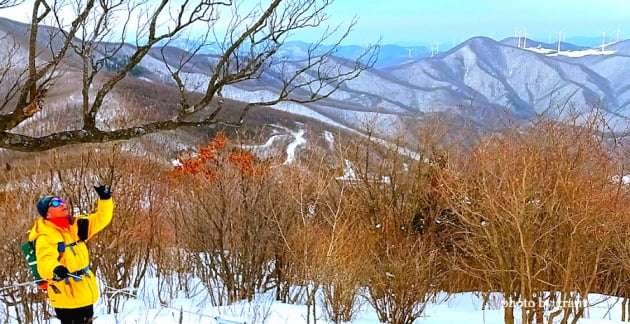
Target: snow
[(582, 53), (292, 147), (330, 139), (462, 308), (298, 140), (625, 179), (348, 172)]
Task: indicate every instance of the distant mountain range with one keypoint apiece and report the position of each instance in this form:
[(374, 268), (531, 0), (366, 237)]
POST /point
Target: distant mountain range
[(395, 54), (389, 54), (490, 82), (484, 81)]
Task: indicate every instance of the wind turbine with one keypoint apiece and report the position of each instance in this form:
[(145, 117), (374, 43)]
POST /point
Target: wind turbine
[(603, 41), (521, 35), (435, 49), (618, 33), (409, 49), (560, 37)]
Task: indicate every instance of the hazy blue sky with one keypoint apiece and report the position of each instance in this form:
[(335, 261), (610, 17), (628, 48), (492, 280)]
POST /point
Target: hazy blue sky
[(453, 21), (427, 21)]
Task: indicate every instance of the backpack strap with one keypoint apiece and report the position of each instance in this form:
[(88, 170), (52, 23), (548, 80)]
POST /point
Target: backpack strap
[(82, 232), (61, 247)]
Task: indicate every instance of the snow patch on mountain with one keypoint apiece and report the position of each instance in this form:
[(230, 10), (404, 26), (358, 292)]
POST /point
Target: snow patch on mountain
[(292, 147), (582, 53), (330, 139)]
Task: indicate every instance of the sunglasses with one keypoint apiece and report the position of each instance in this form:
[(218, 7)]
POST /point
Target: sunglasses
[(56, 202)]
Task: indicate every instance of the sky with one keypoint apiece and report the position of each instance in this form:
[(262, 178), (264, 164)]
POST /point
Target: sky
[(428, 21), (421, 22)]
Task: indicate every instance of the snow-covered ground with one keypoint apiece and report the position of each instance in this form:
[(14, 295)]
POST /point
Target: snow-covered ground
[(464, 308), (158, 303)]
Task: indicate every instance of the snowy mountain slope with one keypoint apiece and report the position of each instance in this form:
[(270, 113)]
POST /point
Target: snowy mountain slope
[(478, 80), (621, 47), (522, 81)]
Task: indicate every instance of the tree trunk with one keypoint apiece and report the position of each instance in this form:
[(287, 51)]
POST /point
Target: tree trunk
[(578, 315), (508, 315), (625, 310)]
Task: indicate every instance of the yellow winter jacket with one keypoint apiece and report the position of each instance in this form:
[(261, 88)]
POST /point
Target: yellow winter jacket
[(69, 293)]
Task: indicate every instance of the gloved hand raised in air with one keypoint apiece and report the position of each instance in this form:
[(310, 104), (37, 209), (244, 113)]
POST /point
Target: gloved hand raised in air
[(60, 273), (104, 191)]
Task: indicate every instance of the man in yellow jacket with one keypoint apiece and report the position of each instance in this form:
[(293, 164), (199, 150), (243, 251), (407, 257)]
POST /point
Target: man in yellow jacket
[(62, 255)]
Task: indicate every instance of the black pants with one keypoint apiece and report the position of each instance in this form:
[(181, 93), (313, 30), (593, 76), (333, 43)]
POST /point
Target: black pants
[(82, 315)]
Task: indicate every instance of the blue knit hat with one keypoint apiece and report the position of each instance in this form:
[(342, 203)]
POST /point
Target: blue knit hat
[(43, 204)]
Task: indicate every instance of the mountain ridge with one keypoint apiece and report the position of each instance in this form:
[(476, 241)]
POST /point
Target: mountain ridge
[(482, 80)]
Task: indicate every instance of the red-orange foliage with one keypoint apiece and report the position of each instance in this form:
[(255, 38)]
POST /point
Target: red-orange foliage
[(246, 164), (198, 165)]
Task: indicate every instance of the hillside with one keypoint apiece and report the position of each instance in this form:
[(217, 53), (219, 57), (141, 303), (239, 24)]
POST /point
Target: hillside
[(490, 83), (487, 83)]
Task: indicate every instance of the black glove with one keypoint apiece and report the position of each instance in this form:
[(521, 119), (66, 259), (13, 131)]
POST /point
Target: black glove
[(104, 191), (60, 273)]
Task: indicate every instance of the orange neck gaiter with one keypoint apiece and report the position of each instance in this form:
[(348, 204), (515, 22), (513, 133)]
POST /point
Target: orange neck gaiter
[(63, 222)]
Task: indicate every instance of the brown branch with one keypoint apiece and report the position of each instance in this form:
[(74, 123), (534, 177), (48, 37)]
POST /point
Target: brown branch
[(263, 34), (26, 143)]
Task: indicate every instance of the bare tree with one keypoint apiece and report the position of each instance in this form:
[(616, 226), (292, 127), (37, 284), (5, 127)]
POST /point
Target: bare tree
[(250, 40), (9, 3)]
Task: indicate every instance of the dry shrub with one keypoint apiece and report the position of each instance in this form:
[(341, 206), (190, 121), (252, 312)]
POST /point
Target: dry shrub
[(222, 217), (341, 253), (402, 280), (297, 214), (531, 205), (292, 212), (402, 270), (319, 249), (22, 302), (399, 267)]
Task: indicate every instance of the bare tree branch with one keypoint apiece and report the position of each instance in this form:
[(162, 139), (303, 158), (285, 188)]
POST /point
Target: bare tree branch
[(97, 36), (10, 3)]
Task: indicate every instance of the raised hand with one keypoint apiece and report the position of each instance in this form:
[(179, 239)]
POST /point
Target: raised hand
[(104, 191)]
